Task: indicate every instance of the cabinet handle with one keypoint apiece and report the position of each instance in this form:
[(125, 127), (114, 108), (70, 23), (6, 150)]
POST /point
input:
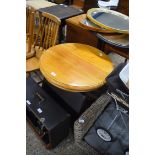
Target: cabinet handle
[(40, 97)]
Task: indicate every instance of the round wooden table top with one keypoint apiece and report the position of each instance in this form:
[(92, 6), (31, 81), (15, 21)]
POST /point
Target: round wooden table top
[(75, 67)]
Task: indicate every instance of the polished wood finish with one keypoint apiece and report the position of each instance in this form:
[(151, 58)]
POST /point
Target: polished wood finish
[(75, 67), (46, 37), (76, 20), (76, 33)]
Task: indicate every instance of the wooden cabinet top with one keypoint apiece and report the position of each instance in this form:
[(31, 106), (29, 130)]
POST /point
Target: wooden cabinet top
[(76, 20)]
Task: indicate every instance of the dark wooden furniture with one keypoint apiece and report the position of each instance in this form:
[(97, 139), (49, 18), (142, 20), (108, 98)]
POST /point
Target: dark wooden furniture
[(117, 43), (62, 12), (78, 34), (124, 52), (123, 7)]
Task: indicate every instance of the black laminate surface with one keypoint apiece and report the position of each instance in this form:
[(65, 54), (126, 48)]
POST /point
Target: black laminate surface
[(62, 11)]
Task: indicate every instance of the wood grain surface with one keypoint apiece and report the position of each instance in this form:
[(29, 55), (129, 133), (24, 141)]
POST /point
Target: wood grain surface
[(76, 20), (46, 37), (82, 34), (75, 67)]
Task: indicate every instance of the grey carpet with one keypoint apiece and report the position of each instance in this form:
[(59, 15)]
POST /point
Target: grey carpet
[(34, 146)]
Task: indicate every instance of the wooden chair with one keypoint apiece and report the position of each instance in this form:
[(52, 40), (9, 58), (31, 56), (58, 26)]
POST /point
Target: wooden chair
[(29, 31), (45, 38)]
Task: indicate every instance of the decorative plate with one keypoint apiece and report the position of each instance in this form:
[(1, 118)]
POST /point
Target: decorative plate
[(109, 19), (117, 39), (86, 23)]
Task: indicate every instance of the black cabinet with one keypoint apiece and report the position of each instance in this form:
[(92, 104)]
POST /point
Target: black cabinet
[(50, 121)]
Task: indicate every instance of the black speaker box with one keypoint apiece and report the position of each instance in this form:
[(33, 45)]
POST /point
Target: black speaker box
[(50, 121)]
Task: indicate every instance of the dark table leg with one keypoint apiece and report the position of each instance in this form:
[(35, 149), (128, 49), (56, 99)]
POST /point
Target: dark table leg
[(61, 35), (101, 46)]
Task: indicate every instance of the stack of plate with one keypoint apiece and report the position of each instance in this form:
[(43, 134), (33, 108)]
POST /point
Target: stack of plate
[(106, 21)]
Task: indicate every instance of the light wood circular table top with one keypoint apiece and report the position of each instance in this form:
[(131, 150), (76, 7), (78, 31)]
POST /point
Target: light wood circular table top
[(75, 67)]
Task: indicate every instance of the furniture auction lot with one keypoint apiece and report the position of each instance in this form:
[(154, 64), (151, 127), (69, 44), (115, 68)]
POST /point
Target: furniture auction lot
[(73, 85)]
